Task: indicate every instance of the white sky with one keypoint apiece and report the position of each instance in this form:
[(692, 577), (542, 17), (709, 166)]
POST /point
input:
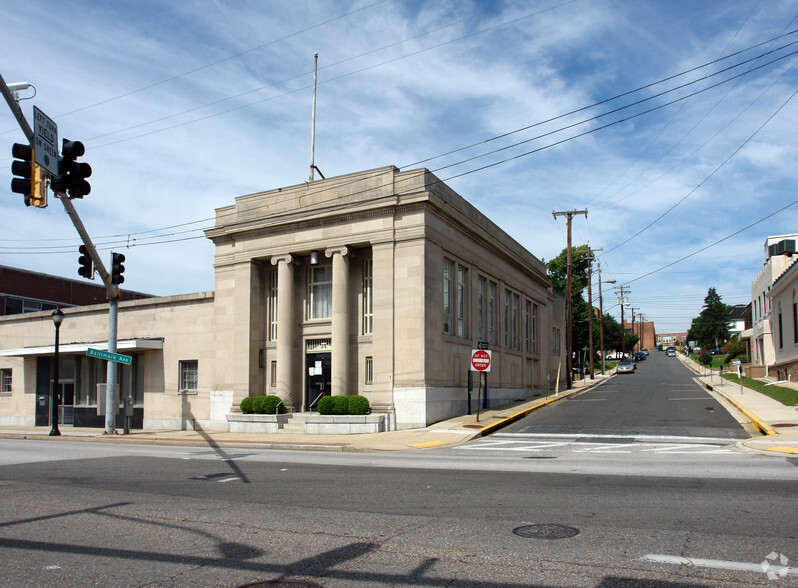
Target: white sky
[(185, 105)]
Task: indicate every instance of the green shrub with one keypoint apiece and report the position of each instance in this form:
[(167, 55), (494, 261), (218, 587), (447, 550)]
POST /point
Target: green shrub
[(325, 405), (705, 358), (340, 404), (358, 405), (267, 405), (246, 405)]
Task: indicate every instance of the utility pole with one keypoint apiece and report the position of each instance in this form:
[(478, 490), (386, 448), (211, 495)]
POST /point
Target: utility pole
[(622, 300), (633, 325), (568, 310), (601, 313), (590, 308), (111, 290)]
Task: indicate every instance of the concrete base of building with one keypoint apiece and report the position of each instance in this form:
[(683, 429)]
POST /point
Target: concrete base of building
[(420, 407), (256, 423)]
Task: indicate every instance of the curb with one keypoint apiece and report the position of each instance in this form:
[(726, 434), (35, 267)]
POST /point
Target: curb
[(522, 413), (758, 423)]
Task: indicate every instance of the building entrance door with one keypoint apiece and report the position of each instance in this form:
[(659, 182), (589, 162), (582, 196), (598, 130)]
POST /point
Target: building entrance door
[(318, 381)]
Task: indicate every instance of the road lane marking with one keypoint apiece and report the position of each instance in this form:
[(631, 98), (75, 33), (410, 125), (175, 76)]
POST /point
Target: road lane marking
[(721, 565)]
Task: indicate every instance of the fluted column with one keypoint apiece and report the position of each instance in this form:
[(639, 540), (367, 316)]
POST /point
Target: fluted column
[(285, 327), (340, 319)]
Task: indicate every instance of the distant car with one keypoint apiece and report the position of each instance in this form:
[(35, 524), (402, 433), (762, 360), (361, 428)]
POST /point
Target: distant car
[(640, 356), (646, 351), (626, 366), (714, 351), (670, 352)]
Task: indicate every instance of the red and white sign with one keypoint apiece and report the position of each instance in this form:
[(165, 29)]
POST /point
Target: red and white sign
[(480, 360)]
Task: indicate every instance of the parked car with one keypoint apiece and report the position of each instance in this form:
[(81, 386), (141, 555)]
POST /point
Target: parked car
[(640, 356), (646, 351), (670, 352), (626, 366)]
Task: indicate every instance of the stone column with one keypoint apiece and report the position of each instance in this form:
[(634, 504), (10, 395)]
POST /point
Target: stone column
[(340, 320), (285, 328)]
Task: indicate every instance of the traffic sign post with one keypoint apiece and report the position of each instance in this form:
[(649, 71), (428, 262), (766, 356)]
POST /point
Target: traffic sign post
[(480, 362)]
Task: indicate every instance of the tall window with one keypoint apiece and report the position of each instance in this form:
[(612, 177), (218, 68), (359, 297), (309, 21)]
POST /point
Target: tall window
[(320, 292), (369, 371), (516, 302), (555, 336), (447, 296), (5, 381), (781, 334), (273, 306), (188, 375), (506, 318), (462, 304), (481, 328), (368, 296), (535, 327), (493, 290), (528, 327), (273, 374)]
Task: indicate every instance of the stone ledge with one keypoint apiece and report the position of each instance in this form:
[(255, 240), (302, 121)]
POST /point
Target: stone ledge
[(315, 424)]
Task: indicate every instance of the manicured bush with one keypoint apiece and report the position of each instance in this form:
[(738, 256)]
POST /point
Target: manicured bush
[(340, 404), (246, 405), (343, 405), (705, 358), (358, 405), (325, 405), (267, 405)]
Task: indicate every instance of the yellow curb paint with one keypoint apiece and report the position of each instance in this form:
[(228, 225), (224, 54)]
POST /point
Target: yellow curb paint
[(783, 449), (428, 444)]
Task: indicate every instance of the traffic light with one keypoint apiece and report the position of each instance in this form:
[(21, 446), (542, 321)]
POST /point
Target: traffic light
[(86, 268), (29, 181), (117, 269), (71, 178)]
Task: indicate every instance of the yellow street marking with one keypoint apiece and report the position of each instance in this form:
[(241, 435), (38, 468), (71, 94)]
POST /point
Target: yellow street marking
[(783, 449), (428, 444)]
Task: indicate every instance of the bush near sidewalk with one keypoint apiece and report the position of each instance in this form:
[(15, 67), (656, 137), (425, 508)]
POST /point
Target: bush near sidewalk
[(787, 396)]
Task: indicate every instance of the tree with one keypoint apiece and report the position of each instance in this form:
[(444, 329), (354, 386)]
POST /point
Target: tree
[(711, 327), (558, 274)]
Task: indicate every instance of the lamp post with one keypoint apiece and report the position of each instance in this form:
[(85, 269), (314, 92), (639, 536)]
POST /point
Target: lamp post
[(58, 318)]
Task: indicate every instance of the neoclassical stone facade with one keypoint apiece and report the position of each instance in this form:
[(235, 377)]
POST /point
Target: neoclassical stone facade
[(378, 283)]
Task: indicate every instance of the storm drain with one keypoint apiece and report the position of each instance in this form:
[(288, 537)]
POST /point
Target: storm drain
[(546, 531)]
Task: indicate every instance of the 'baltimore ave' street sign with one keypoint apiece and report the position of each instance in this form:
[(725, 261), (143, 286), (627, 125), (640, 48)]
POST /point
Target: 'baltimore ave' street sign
[(118, 358)]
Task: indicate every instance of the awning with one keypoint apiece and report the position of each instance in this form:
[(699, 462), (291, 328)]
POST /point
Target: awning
[(81, 348)]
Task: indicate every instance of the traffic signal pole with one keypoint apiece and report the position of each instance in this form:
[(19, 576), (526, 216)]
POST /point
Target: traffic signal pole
[(110, 288)]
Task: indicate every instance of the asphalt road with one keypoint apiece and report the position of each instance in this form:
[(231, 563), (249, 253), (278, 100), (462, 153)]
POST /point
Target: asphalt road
[(80, 514), (659, 399)]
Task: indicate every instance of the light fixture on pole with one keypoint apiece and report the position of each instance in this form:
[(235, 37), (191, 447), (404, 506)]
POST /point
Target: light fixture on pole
[(314, 258), (58, 318)]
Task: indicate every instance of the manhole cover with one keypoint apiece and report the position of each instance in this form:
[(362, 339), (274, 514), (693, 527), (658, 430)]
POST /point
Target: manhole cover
[(473, 426), (546, 531), (785, 425), (283, 584)]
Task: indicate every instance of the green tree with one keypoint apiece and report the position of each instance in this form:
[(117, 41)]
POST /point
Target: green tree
[(711, 327), (558, 273)]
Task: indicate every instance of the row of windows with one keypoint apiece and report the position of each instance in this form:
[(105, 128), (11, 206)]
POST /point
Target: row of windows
[(15, 305), (521, 317), (368, 372), (319, 297)]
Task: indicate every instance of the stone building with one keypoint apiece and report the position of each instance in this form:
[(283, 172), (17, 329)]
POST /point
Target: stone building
[(378, 283)]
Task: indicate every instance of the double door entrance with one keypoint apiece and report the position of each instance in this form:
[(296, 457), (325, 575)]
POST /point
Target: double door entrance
[(318, 379)]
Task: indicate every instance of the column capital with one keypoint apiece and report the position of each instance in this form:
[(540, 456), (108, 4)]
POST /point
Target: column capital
[(343, 250), (278, 258)]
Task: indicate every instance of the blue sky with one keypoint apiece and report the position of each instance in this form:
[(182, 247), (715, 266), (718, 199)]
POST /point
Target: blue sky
[(522, 107)]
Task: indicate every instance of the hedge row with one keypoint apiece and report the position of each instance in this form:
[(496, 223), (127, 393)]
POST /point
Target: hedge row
[(262, 405), (343, 405)]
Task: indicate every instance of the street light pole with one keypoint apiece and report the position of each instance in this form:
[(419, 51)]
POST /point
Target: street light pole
[(58, 318)]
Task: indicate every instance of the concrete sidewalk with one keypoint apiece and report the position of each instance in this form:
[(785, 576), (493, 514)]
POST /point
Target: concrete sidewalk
[(449, 432), (777, 423)]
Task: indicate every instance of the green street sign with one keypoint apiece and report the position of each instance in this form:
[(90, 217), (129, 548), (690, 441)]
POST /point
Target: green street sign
[(107, 355)]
